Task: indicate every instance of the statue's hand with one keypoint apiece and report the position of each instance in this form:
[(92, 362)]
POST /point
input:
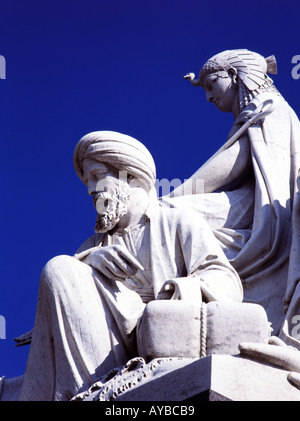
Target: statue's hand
[(115, 262), (294, 378), (282, 356), (276, 353)]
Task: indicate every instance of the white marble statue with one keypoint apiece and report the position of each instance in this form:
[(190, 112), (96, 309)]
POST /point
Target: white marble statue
[(250, 198), (180, 277), (89, 304)]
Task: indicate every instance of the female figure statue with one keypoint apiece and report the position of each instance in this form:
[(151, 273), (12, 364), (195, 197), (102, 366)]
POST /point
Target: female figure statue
[(250, 197)]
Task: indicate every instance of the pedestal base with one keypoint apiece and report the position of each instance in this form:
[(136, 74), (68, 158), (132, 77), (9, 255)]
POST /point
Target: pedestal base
[(216, 378)]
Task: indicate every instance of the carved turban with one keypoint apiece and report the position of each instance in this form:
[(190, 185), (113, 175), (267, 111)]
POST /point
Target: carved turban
[(121, 151), (251, 67)]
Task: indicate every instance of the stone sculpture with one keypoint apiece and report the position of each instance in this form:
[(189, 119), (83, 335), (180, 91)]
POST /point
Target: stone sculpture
[(89, 304), (187, 286), (251, 199)]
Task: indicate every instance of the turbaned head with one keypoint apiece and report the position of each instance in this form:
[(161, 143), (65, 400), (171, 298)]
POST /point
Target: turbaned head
[(123, 152)]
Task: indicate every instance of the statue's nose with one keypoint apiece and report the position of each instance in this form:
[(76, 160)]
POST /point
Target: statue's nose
[(209, 96), (91, 186)]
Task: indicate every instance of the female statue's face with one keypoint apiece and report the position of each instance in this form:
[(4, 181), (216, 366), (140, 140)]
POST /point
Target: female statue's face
[(222, 92)]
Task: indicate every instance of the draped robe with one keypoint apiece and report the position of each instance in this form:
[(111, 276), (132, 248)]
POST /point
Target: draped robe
[(254, 224), (85, 323), (256, 218)]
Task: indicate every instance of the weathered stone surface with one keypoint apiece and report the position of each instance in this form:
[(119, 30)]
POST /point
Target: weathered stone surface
[(214, 378), (178, 328), (172, 270), (10, 388)]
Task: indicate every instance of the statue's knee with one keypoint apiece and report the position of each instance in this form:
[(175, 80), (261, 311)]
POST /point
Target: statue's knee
[(56, 268)]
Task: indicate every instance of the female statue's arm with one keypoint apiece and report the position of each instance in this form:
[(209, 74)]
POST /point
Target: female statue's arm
[(221, 170)]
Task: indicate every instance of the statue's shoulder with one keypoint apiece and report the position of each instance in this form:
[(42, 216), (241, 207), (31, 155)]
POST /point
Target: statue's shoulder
[(176, 215), (93, 241)]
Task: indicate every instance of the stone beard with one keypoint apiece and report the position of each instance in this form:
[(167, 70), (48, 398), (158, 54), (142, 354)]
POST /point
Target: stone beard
[(111, 206)]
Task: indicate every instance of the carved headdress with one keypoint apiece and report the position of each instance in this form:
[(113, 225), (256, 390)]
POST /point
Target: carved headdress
[(251, 68), (119, 150)]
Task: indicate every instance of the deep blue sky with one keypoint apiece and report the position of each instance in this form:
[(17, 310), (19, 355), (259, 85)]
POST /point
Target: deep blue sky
[(84, 65)]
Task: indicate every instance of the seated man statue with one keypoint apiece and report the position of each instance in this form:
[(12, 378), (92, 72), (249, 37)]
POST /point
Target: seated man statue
[(89, 304)]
